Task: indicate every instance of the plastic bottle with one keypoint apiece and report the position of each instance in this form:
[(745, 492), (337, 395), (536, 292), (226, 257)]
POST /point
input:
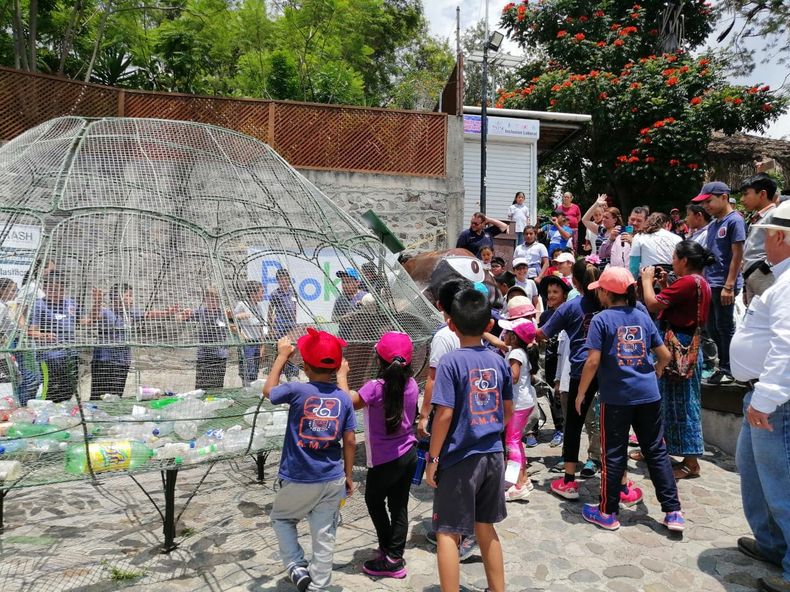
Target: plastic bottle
[(22, 415), (196, 394), (196, 455), (109, 397), (7, 406), (107, 455), (161, 403), (213, 404), (45, 445), (33, 430), (148, 393), (422, 460), (10, 470), (186, 430), (174, 450), (12, 446)]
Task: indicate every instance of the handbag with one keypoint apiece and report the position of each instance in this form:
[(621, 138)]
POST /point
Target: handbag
[(684, 358)]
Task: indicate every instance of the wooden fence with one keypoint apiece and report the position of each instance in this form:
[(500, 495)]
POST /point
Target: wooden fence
[(307, 135)]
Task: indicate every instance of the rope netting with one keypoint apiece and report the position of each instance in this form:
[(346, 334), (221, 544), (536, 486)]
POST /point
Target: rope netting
[(148, 268)]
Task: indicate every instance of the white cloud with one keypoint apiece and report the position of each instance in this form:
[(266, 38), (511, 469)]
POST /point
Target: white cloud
[(441, 18)]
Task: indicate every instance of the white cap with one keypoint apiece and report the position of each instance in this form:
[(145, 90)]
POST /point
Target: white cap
[(565, 258), (520, 261)]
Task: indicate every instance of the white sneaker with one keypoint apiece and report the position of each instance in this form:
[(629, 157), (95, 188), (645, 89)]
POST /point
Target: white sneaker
[(513, 493)]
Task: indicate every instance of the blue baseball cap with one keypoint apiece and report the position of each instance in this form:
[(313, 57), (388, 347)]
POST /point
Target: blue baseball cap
[(712, 188), (349, 273)]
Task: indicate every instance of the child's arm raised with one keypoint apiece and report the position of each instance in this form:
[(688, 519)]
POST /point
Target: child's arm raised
[(442, 417), (349, 451), (664, 357), (285, 349), (342, 384), (588, 374)]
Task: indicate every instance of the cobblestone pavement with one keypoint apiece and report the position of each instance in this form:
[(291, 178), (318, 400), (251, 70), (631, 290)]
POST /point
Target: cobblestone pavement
[(93, 538)]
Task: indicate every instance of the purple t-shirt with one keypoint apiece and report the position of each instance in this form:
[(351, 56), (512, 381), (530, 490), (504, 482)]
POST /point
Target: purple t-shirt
[(380, 446), (474, 382), (318, 416)]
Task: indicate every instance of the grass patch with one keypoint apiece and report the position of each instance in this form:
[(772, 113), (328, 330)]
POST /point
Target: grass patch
[(122, 575)]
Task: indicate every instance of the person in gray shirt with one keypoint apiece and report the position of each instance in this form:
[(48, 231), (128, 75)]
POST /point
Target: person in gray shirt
[(757, 196)]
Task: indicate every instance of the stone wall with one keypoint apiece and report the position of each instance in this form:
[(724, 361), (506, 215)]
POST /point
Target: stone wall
[(423, 212)]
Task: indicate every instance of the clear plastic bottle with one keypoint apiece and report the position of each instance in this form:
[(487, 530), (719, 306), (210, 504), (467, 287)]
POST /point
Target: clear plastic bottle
[(12, 446), (174, 450), (186, 430), (197, 454)]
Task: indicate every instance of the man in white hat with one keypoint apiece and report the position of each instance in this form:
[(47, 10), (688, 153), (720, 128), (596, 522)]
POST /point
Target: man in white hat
[(760, 355)]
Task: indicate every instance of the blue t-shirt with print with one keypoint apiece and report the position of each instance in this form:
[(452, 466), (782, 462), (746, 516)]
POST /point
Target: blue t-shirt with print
[(115, 327), (625, 335), (574, 317), (318, 416), (721, 234), (58, 318), (473, 382)]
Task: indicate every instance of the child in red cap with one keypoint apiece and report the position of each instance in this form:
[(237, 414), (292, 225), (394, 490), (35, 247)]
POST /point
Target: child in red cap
[(619, 343), (390, 404), (313, 478)]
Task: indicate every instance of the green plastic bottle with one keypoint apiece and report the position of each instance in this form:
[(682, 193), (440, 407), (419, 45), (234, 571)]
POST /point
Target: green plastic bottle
[(34, 430), (160, 403), (107, 455)]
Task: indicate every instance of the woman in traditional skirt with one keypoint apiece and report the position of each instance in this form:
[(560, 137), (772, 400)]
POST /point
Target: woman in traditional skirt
[(682, 307)]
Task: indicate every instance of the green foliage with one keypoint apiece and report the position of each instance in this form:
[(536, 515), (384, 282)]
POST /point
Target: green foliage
[(652, 113), (766, 20), (346, 51)]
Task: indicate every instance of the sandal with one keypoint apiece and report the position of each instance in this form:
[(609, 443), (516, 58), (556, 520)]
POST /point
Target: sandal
[(636, 455), (685, 472)]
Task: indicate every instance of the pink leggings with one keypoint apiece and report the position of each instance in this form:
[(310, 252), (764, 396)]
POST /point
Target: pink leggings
[(513, 433)]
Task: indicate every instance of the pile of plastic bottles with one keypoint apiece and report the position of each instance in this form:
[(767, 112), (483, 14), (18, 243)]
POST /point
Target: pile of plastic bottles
[(162, 425)]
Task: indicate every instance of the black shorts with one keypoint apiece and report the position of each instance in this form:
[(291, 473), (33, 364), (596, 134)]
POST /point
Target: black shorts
[(470, 491)]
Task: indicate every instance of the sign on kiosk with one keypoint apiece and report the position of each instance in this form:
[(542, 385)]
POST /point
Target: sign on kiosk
[(18, 249)]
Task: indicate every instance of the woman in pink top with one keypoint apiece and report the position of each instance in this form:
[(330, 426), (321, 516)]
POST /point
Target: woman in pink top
[(390, 407), (574, 216)]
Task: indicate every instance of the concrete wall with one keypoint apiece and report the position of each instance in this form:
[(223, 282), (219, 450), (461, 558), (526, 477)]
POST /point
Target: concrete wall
[(424, 212), (721, 429)]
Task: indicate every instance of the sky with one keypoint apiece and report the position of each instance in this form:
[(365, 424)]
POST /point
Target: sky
[(441, 17)]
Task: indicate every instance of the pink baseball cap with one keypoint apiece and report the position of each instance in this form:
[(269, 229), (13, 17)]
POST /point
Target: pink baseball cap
[(524, 328), (519, 307), (321, 349), (614, 279), (395, 345)]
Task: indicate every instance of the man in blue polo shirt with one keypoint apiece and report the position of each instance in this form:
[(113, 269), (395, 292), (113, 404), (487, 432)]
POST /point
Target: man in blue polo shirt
[(726, 235), (481, 233)]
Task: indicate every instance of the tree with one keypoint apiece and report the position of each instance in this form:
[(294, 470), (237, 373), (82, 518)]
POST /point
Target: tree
[(765, 20), (653, 113)]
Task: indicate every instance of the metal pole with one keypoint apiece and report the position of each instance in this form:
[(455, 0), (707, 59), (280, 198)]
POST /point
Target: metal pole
[(169, 522), (484, 120), (457, 30)]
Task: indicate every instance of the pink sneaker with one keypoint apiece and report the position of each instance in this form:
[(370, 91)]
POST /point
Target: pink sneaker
[(632, 496), (567, 490)]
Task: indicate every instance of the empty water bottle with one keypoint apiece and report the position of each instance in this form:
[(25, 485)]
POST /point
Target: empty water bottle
[(422, 460), (12, 446), (186, 430)]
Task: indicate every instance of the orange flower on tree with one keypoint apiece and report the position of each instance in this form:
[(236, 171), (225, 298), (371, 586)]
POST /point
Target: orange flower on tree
[(650, 159), (693, 166), (618, 43), (674, 162), (599, 13), (579, 36), (672, 81), (601, 44), (561, 34)]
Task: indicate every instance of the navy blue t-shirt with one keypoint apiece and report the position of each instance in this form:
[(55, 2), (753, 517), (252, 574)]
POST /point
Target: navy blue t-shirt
[(474, 241), (574, 317), (473, 382), (625, 335), (318, 416), (721, 234)]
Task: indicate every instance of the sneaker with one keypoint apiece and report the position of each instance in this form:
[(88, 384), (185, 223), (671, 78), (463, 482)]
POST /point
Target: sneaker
[(675, 522), (514, 493), (718, 378), (631, 497), (431, 537), (556, 439), (384, 567), (529, 486), (567, 490), (590, 469), (592, 513), (530, 441), (467, 547), (300, 577), (558, 468)]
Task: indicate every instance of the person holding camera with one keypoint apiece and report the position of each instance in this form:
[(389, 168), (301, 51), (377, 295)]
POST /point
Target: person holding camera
[(681, 325)]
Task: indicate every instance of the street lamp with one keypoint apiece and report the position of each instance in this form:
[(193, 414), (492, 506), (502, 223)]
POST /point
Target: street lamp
[(493, 43)]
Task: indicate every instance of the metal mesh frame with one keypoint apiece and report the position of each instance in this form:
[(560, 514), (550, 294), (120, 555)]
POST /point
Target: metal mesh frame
[(187, 215)]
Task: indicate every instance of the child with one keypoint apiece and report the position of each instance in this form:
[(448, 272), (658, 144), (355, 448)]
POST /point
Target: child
[(390, 404), (473, 399), (519, 214), (534, 252), (110, 363), (629, 397), (520, 333), (211, 360), (246, 313), (282, 313), (313, 480), (486, 254), (521, 268)]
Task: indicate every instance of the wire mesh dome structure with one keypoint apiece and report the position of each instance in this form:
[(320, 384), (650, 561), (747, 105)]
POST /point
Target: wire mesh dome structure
[(149, 253)]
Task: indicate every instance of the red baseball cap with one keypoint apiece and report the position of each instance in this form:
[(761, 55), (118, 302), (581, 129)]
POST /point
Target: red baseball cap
[(710, 189), (394, 344), (614, 279), (321, 349)]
